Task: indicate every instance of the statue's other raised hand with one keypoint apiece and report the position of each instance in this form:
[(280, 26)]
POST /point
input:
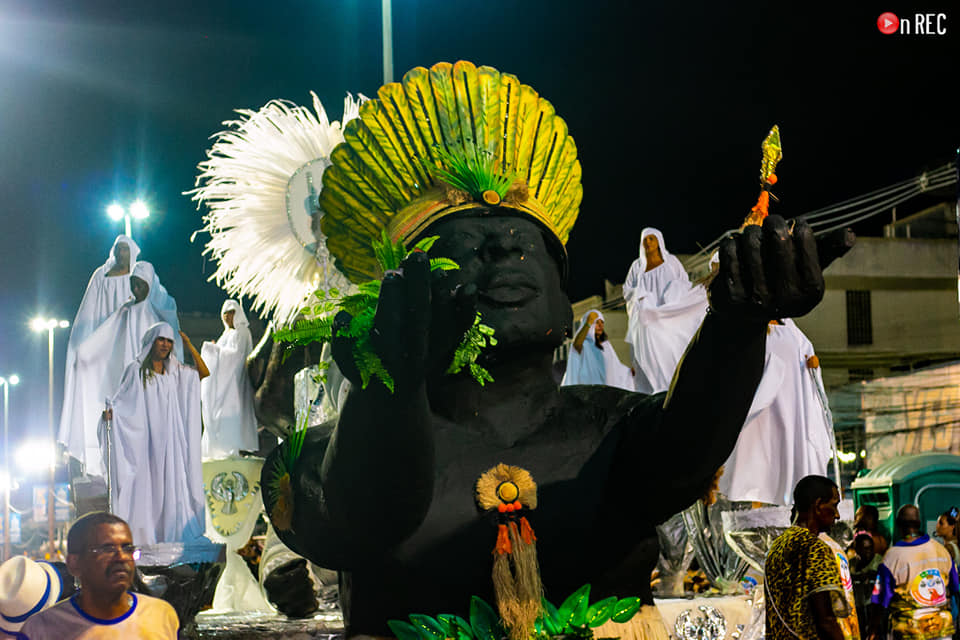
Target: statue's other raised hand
[(774, 271)]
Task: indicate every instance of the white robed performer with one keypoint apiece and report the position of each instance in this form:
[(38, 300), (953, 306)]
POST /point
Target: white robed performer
[(154, 436), (108, 289), (96, 365), (664, 312), (227, 395), (592, 359), (787, 434)]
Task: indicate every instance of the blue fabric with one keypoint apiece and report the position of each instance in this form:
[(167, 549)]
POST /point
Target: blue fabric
[(37, 607), (118, 619), (883, 591), (916, 543)]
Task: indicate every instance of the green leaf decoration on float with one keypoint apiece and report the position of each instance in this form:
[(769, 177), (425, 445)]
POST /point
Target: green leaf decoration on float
[(576, 618), (317, 323)]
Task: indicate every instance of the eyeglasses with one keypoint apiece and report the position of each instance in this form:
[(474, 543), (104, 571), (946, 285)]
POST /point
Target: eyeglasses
[(131, 550)]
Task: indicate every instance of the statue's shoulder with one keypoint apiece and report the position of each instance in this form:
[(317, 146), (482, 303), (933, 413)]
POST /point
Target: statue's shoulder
[(606, 406)]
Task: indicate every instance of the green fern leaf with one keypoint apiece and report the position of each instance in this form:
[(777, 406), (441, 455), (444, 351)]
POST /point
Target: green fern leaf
[(444, 264)]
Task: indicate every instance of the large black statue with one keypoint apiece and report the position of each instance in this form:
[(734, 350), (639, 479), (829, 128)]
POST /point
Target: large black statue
[(386, 496)]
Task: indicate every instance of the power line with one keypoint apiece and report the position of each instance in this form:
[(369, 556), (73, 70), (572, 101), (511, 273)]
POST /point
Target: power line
[(852, 210)]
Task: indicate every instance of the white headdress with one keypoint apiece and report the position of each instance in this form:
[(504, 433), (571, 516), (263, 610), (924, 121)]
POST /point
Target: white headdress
[(672, 262), (162, 302), (112, 258), (260, 183), (154, 331), (239, 317)]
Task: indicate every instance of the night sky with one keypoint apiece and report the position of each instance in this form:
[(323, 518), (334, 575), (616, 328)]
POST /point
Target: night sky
[(104, 101)]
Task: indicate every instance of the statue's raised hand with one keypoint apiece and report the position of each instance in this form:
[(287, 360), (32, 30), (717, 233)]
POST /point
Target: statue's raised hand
[(418, 323), (774, 271)]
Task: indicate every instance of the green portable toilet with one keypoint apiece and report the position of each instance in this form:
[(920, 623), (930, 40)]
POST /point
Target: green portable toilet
[(929, 480)]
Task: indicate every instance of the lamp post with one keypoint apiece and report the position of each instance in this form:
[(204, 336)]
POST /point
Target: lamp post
[(137, 210), (386, 30), (8, 480), (50, 325)]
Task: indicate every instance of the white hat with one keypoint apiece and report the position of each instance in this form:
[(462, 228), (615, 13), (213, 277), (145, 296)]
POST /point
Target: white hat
[(26, 588)]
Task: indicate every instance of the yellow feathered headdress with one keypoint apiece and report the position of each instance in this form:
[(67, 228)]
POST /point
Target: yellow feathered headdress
[(446, 139)]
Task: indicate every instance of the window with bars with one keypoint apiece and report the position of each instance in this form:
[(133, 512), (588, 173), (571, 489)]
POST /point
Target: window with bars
[(859, 318)]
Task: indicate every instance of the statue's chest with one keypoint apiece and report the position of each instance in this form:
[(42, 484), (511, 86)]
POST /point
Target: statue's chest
[(571, 473)]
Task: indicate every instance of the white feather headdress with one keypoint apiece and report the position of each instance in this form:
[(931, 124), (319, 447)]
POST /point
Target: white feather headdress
[(261, 234)]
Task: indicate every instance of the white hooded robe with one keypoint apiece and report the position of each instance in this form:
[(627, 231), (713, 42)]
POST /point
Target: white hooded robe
[(96, 366), (156, 476), (664, 312), (227, 395), (593, 365), (788, 431), (104, 294)]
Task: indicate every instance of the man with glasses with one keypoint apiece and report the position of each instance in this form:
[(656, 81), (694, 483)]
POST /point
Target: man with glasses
[(101, 555)]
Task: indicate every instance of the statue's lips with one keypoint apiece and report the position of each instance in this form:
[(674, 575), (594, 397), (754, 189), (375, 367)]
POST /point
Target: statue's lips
[(509, 289)]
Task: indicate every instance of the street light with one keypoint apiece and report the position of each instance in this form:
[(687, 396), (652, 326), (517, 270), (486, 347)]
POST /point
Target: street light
[(50, 325), (7, 382), (137, 210), (386, 32)]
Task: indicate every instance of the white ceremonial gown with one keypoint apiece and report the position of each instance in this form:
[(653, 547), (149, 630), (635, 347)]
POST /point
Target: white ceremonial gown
[(664, 312), (595, 365), (96, 366), (227, 395), (104, 295), (788, 434), (157, 484)]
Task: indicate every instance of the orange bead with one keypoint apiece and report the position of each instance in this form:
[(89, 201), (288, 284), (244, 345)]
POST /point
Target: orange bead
[(502, 508), (517, 506), (772, 179)]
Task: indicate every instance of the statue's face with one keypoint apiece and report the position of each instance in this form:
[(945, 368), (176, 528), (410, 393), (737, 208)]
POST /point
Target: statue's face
[(520, 293)]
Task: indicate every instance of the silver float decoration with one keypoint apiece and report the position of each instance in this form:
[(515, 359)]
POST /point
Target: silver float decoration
[(676, 554), (751, 532), (709, 626), (723, 568), (229, 488)]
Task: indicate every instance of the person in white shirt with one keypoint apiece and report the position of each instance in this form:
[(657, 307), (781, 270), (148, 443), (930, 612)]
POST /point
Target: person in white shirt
[(226, 397), (664, 312), (592, 360), (102, 556)]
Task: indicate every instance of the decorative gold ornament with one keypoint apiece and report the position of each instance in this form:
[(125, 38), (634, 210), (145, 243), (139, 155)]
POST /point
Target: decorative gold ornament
[(772, 152), (512, 492)]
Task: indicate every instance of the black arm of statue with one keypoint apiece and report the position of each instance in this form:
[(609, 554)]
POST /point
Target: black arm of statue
[(377, 473), (767, 273)]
